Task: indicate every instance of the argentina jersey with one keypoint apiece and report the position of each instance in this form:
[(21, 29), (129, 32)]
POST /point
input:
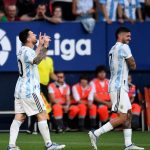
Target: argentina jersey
[(118, 66), (28, 81), (111, 7)]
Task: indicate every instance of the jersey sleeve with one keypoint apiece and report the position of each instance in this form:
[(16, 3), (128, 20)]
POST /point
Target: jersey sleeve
[(126, 52), (75, 94), (29, 56)]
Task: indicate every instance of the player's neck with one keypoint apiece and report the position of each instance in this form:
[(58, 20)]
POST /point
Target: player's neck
[(119, 41), (29, 45)]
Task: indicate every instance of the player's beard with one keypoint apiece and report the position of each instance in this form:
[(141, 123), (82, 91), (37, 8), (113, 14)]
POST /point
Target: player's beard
[(34, 42)]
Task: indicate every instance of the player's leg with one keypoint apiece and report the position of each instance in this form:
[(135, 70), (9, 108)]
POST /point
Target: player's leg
[(128, 134), (14, 130), (15, 126), (117, 106)]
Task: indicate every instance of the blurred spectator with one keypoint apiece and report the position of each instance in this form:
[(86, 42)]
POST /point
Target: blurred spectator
[(59, 93), (66, 6), (84, 10), (57, 15), (136, 108), (41, 15), (130, 8), (110, 10), (25, 7), (147, 9), (2, 16), (83, 103), (101, 95), (11, 13)]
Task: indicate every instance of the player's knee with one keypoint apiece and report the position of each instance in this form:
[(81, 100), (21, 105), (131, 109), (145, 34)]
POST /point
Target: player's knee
[(20, 117), (124, 118), (42, 116)]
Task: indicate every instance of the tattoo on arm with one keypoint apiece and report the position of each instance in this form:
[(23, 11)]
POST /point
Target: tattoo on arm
[(40, 56), (131, 63)]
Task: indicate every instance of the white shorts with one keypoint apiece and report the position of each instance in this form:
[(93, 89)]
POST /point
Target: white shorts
[(30, 106), (120, 101)]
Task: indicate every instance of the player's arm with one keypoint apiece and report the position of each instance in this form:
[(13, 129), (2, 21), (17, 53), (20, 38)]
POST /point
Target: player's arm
[(131, 63), (41, 53)]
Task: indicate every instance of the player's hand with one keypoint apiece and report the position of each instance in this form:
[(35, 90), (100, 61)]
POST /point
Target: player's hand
[(47, 39), (41, 40)]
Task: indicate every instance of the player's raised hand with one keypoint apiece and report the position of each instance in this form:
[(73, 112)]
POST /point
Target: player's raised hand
[(41, 39), (47, 39)]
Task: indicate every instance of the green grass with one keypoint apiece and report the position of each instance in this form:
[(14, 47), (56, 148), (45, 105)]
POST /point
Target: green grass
[(77, 141)]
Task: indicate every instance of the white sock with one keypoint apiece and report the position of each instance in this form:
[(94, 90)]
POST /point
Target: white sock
[(127, 136), (105, 128), (44, 130), (14, 130)]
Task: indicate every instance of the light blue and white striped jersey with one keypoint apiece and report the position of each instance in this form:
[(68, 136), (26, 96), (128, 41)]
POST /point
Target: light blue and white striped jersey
[(130, 7), (28, 81), (118, 66), (111, 7)]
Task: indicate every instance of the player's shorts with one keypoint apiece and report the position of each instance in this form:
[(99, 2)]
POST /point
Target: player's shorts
[(30, 106), (120, 101)]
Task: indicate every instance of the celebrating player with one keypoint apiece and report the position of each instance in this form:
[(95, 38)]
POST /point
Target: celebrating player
[(27, 92), (120, 60)]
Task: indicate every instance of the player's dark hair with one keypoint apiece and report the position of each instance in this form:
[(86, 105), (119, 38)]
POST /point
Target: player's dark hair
[(121, 30), (100, 69), (23, 35), (84, 77)]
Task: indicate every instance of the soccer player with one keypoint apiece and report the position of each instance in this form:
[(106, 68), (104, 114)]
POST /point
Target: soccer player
[(120, 60), (27, 92)]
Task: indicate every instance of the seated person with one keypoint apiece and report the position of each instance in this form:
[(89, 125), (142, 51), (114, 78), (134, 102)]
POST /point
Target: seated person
[(101, 95), (136, 108), (59, 93), (83, 100)]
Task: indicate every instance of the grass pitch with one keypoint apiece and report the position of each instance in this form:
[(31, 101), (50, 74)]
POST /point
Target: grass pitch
[(77, 141)]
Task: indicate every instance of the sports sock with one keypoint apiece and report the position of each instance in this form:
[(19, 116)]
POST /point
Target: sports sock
[(127, 136), (44, 130), (14, 130), (105, 128)]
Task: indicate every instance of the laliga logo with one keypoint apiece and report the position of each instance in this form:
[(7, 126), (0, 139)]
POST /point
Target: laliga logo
[(66, 48), (6, 47)]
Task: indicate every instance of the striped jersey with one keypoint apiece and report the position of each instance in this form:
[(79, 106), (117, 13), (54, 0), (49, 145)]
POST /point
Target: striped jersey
[(130, 7), (118, 66), (111, 7), (28, 81)]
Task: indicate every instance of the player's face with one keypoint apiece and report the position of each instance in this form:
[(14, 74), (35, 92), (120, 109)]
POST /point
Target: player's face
[(32, 38), (126, 37), (84, 82), (101, 75), (61, 78)]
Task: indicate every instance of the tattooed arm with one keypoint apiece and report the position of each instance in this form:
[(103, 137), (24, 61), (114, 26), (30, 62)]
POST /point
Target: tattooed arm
[(131, 63)]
